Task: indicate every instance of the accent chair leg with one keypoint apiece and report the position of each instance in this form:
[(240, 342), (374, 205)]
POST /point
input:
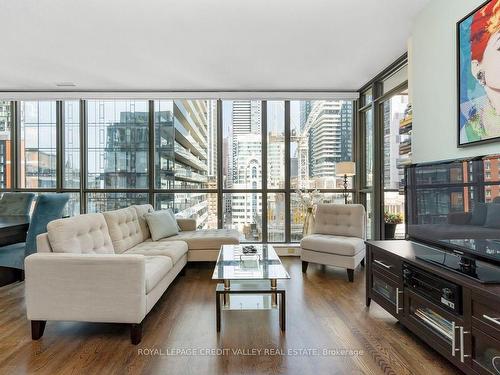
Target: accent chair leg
[(37, 328), (362, 262), (136, 333), (350, 275), (304, 266)]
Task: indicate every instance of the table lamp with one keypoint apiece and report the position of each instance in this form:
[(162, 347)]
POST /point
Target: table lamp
[(345, 169)]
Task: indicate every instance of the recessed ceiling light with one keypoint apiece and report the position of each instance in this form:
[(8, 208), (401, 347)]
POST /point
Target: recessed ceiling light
[(65, 84)]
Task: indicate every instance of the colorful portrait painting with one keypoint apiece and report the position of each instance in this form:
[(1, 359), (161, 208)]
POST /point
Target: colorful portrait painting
[(479, 75)]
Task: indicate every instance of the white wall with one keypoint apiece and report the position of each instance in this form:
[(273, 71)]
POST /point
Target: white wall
[(432, 80)]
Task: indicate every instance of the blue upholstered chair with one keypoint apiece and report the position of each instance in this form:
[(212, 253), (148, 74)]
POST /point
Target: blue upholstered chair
[(48, 207), (16, 204)]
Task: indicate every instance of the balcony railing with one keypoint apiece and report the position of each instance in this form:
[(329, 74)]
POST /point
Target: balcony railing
[(184, 156), (188, 175)]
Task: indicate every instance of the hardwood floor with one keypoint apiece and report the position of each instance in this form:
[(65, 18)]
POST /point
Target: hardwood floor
[(324, 312)]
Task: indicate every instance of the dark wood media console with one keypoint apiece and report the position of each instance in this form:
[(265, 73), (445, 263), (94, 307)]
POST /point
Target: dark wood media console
[(470, 338)]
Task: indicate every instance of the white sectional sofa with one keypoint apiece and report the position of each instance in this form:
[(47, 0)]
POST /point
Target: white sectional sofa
[(104, 267)]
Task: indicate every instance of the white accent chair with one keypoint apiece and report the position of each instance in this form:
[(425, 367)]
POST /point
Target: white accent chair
[(338, 238)]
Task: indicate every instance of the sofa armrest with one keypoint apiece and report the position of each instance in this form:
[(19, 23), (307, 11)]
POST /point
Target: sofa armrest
[(43, 243), (86, 287), (187, 224)]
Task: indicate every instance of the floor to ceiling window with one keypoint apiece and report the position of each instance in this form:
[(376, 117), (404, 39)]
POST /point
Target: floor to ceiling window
[(117, 156), (242, 167), (393, 110), (321, 136), (71, 178), (5, 144), (367, 132), (225, 163), (382, 106), (276, 162), (37, 144), (185, 148)]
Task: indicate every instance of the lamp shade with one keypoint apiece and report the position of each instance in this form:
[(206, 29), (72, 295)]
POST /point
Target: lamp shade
[(344, 168)]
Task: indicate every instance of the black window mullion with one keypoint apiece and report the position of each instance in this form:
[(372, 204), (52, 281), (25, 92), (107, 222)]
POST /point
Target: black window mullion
[(288, 230), (14, 116), (356, 140), (264, 169), (83, 156), (151, 153), (17, 143), (59, 145), (220, 195), (378, 155)]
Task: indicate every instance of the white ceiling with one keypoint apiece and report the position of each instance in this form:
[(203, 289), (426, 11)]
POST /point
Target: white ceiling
[(219, 45)]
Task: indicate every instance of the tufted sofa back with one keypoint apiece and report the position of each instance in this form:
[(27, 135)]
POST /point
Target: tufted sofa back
[(83, 234), (341, 220), (141, 210), (124, 228)]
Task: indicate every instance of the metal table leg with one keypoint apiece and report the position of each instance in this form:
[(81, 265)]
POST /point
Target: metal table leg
[(217, 310), (227, 286), (282, 311), (274, 295)]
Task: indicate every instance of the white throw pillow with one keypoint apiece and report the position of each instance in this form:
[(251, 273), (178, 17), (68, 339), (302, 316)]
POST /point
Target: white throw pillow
[(173, 217), (161, 224)]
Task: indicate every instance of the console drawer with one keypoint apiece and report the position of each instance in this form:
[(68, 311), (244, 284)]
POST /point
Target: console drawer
[(444, 331), (387, 293), (485, 353), (385, 262), (486, 315)]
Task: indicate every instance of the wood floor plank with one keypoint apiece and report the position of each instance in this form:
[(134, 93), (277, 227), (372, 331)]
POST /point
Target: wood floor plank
[(325, 315)]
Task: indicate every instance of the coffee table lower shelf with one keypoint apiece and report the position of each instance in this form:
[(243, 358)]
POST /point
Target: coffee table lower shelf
[(222, 293)]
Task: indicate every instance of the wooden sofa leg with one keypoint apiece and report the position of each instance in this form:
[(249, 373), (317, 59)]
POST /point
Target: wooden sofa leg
[(350, 275), (136, 333), (304, 266), (37, 328), (363, 262)]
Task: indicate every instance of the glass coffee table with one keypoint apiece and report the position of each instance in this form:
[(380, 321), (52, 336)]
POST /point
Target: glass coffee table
[(249, 280)]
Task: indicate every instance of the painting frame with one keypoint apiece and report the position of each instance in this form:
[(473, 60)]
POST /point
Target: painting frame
[(459, 83)]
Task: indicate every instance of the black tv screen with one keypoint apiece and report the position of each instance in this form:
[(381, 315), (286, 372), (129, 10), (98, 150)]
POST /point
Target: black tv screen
[(456, 205)]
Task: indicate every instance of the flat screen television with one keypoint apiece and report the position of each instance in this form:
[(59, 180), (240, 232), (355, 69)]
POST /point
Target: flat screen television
[(455, 205)]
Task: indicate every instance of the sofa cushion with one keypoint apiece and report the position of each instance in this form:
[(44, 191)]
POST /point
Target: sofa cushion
[(206, 239), (124, 228), (330, 244), (493, 216), (175, 250), (156, 269), (161, 224), (83, 234), (341, 220), (186, 224), (141, 210)]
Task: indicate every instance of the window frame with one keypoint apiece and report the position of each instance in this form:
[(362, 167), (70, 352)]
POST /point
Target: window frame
[(376, 87), (151, 189)]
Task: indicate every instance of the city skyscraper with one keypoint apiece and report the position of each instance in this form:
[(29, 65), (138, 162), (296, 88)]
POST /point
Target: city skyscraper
[(246, 117), (325, 142), (346, 131)]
